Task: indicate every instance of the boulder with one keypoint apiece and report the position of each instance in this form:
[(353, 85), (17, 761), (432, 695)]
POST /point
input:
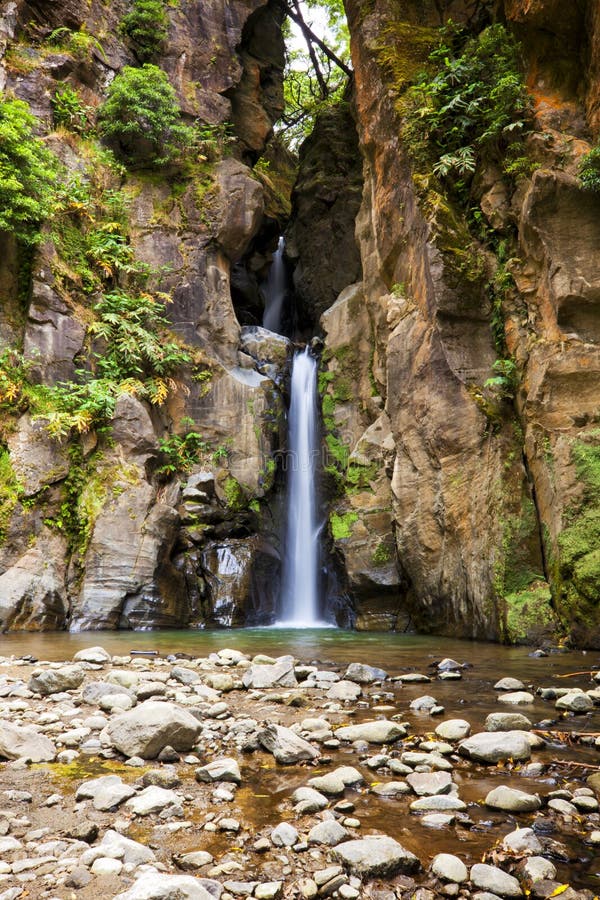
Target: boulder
[(492, 747), (96, 655), (494, 880), (428, 784), (449, 868), (511, 800), (329, 832), (346, 691), (575, 702), (151, 726), (53, 681), (378, 732), (516, 698), (279, 674), (154, 886), (363, 674), (24, 742), (155, 799), (378, 856), (453, 729), (224, 769), (106, 792), (510, 721), (131, 853), (285, 745)]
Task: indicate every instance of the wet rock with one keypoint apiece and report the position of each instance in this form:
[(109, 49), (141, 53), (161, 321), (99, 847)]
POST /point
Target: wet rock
[(26, 742), (378, 732), (106, 792), (509, 684), (377, 856), (438, 820), (284, 835), (151, 726), (286, 746), (423, 703), (316, 729), (449, 868), (453, 729), (155, 886), (516, 698), (536, 868), (522, 840), (428, 784), (575, 702), (440, 802), (307, 800), (511, 800), (562, 806), (345, 691), (277, 674), (53, 681), (413, 678), (363, 674), (155, 800), (507, 722), (196, 859), (268, 890), (224, 769), (390, 789), (329, 832), (490, 878), (493, 747)]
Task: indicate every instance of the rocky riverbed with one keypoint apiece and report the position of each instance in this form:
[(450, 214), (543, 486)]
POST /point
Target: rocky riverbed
[(142, 777)]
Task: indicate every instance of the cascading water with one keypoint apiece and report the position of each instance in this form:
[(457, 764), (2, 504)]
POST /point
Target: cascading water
[(300, 590), (274, 290)]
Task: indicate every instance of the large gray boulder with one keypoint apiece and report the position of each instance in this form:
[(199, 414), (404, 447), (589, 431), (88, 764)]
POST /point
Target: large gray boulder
[(363, 674), (24, 742), (53, 681), (152, 886), (106, 792), (511, 800), (379, 732), (495, 746), (151, 726), (494, 880), (286, 746), (507, 721), (378, 856), (279, 674)]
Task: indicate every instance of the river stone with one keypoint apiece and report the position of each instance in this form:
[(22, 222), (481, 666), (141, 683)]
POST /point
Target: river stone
[(151, 726), (379, 732), (286, 746), (428, 784), (344, 690), (516, 698), (536, 868), (413, 678), (268, 890), (93, 691), (119, 847), (562, 806), (511, 800), (426, 702), (316, 729), (224, 769), (378, 856), (509, 684), (509, 721), (492, 747), (490, 878), (96, 655), (438, 820), (53, 681), (184, 675), (594, 782), (106, 792), (438, 802), (284, 835), (277, 674), (329, 832), (154, 886), (24, 742), (307, 800), (575, 702), (154, 800), (116, 702), (390, 789), (196, 859), (448, 665), (330, 784), (449, 868), (363, 674), (522, 840), (433, 760), (453, 729)]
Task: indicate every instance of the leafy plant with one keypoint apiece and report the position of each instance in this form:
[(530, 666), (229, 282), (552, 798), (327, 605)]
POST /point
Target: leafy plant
[(69, 111), (475, 105), (141, 118), (28, 173), (78, 43), (180, 452), (506, 379), (589, 170), (147, 25)]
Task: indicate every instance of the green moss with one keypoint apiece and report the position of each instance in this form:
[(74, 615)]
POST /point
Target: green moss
[(341, 525), (403, 50), (235, 498), (528, 611), (359, 476), (382, 554), (11, 491)]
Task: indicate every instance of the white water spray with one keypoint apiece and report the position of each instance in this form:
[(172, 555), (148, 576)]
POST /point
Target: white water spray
[(300, 591), (274, 290)]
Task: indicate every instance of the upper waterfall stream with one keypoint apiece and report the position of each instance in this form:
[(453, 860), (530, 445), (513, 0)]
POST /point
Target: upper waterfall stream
[(300, 591), (274, 290)]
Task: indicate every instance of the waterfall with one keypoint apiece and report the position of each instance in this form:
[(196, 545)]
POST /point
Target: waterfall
[(300, 592), (274, 290)]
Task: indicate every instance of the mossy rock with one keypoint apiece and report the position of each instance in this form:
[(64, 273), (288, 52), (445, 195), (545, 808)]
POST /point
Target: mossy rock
[(529, 614)]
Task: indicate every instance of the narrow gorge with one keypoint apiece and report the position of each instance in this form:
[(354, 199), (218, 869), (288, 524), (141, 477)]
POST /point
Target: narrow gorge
[(165, 256)]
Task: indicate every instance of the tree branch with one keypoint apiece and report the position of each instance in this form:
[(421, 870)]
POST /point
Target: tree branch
[(311, 38)]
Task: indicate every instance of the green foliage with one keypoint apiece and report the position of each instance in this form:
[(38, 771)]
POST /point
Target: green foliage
[(341, 525), (10, 492), (589, 171), (528, 611), (69, 111), (506, 380), (79, 44), (147, 25), (474, 106), (28, 173), (382, 555), (235, 497), (180, 452), (141, 118)]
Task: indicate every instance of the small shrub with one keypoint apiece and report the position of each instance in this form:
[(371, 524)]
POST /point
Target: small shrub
[(141, 118), (79, 44), (589, 171), (180, 452), (28, 173), (147, 26), (69, 111)]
